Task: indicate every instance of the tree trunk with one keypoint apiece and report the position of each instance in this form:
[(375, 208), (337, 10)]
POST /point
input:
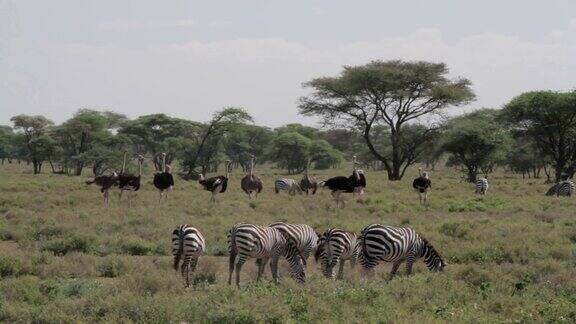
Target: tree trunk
[(78, 169), (472, 173)]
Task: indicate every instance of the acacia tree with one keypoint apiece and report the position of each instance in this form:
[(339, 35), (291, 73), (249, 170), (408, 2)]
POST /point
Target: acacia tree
[(391, 93), (475, 141), (34, 129), (153, 134), (221, 122), (550, 119)]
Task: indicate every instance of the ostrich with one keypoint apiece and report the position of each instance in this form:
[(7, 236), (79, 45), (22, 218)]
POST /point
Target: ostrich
[(308, 182), (216, 185), (341, 184), (251, 183), (163, 180), (105, 182), (422, 185), (129, 182), (360, 178)]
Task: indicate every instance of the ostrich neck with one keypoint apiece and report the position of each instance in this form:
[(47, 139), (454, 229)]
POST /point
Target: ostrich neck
[(139, 168), (164, 163)]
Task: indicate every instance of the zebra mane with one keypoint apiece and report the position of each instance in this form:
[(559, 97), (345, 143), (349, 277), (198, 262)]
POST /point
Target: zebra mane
[(427, 246)]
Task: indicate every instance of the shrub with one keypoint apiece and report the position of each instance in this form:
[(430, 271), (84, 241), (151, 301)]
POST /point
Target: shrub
[(112, 268), (137, 247), (69, 244)]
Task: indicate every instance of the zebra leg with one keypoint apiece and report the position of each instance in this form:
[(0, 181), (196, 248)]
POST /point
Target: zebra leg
[(185, 271), (395, 266), (239, 264), (191, 268), (261, 266), (410, 261), (341, 269), (231, 265), (274, 268)]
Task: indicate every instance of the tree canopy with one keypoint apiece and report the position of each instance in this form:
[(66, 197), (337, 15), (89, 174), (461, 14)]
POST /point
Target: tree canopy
[(390, 93)]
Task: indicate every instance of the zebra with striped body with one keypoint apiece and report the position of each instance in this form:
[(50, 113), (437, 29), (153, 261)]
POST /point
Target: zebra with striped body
[(336, 246), (265, 244), (301, 235), (395, 244), (482, 186), (187, 246), (562, 188), (287, 184)]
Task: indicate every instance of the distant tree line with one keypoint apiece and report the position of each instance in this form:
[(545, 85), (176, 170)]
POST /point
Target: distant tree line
[(390, 114), (97, 140)]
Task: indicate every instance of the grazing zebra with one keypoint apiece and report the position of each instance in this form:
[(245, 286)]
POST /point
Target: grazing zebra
[(265, 244), (482, 186), (289, 185), (395, 244), (562, 188), (422, 185), (301, 235), (187, 246), (336, 246)]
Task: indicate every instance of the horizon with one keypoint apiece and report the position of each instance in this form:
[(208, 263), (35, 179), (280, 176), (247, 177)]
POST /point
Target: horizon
[(189, 60)]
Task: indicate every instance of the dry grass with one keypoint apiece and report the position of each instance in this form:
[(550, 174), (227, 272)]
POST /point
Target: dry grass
[(65, 258)]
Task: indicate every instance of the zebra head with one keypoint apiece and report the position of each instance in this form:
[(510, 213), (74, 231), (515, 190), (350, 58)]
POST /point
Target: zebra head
[(432, 258), (295, 260)]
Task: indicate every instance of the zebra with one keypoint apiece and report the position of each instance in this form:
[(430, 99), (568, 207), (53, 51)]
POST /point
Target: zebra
[(562, 188), (263, 243), (287, 184), (187, 245), (336, 246), (395, 244), (301, 235), (482, 186)]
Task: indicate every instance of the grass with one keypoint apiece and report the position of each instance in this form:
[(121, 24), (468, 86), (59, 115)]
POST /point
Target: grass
[(65, 258)]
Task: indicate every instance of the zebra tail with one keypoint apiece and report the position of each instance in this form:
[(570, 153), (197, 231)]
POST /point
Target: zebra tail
[(178, 254)]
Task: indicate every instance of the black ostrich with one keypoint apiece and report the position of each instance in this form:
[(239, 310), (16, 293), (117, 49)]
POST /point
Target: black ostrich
[(163, 180), (130, 182), (216, 185), (422, 185), (251, 184), (105, 182), (359, 178), (341, 184)]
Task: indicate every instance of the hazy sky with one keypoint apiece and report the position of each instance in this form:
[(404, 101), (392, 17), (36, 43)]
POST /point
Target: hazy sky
[(190, 58)]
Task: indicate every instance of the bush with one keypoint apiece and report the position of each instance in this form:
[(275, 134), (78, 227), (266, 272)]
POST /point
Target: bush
[(138, 247), (65, 245), (9, 266), (112, 268), (454, 230)]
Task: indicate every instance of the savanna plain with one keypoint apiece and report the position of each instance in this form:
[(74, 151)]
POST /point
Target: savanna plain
[(65, 258)]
